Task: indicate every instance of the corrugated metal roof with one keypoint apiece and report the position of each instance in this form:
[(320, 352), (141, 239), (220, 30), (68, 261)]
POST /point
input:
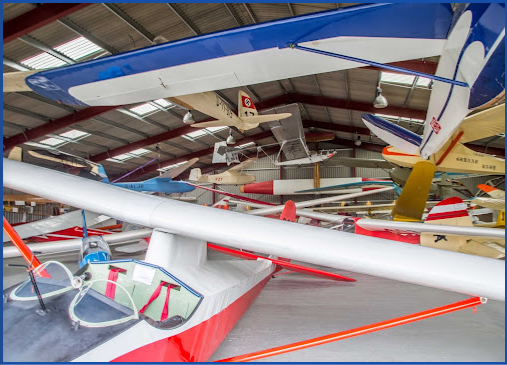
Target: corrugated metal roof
[(160, 19)]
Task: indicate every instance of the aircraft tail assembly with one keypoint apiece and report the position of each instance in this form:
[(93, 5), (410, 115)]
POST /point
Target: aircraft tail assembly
[(195, 174), (453, 212), (211, 104), (412, 201)]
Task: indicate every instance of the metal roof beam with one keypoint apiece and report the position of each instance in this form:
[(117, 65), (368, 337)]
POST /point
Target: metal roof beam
[(129, 21), (15, 65), (351, 143), (356, 105), (44, 48), (250, 12), (55, 125), (37, 18), (336, 127), (234, 14), (76, 28), (184, 18)]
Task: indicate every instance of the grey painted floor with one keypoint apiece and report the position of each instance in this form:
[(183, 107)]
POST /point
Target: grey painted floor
[(296, 307)]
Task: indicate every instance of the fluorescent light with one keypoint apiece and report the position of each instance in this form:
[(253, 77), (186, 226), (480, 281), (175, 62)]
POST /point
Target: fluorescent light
[(246, 145)]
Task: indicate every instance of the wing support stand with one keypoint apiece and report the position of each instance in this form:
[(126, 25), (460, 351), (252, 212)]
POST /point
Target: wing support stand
[(171, 251), (379, 65), (468, 303)]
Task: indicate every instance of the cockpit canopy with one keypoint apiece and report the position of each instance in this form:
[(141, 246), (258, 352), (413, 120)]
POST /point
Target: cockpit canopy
[(114, 292)]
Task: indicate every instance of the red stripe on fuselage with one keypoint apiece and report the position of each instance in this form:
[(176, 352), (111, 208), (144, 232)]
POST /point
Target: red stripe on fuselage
[(199, 342)]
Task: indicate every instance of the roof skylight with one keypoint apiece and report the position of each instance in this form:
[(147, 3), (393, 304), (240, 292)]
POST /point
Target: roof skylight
[(395, 78), (78, 48), (52, 141), (72, 134), (163, 102), (43, 61), (75, 49), (172, 166), (198, 133), (144, 109), (140, 152)]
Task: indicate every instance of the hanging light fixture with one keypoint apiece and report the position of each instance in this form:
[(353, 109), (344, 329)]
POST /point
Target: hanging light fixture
[(380, 101), (188, 118), (358, 141), (230, 139)]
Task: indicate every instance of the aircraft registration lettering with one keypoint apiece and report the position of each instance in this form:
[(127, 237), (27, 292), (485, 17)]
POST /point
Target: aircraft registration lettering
[(134, 186), (435, 125), (224, 107), (489, 167), (468, 160)]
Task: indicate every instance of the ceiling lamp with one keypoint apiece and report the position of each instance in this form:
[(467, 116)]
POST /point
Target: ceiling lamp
[(380, 101), (188, 118), (358, 142), (230, 139)]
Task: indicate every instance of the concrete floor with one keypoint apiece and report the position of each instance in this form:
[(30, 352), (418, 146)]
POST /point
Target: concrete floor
[(294, 307)]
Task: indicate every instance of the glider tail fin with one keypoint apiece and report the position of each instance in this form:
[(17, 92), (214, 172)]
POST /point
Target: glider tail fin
[(288, 214), (246, 107), (412, 200), (195, 174), (451, 212)]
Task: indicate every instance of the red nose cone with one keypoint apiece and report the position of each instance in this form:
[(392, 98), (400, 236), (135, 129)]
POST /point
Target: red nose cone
[(265, 187)]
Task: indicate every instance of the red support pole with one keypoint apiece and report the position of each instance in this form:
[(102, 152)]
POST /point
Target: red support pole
[(25, 251), (472, 302)]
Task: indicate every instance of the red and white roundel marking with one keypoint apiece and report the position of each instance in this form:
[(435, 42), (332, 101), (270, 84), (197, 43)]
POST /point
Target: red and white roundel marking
[(247, 102)]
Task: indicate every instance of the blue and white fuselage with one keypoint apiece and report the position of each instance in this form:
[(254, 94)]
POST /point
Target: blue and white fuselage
[(157, 184)]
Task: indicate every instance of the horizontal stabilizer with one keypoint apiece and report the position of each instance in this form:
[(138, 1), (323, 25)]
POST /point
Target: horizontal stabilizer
[(492, 192), (242, 165), (256, 119), (174, 172), (484, 124), (393, 134), (283, 264), (214, 123)]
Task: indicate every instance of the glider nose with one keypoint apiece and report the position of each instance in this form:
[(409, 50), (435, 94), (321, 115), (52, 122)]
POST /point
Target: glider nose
[(242, 188)]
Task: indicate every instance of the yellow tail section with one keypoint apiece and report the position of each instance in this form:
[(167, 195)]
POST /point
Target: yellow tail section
[(412, 201)]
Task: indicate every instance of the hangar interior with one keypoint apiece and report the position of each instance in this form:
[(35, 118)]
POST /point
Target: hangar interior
[(147, 139)]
